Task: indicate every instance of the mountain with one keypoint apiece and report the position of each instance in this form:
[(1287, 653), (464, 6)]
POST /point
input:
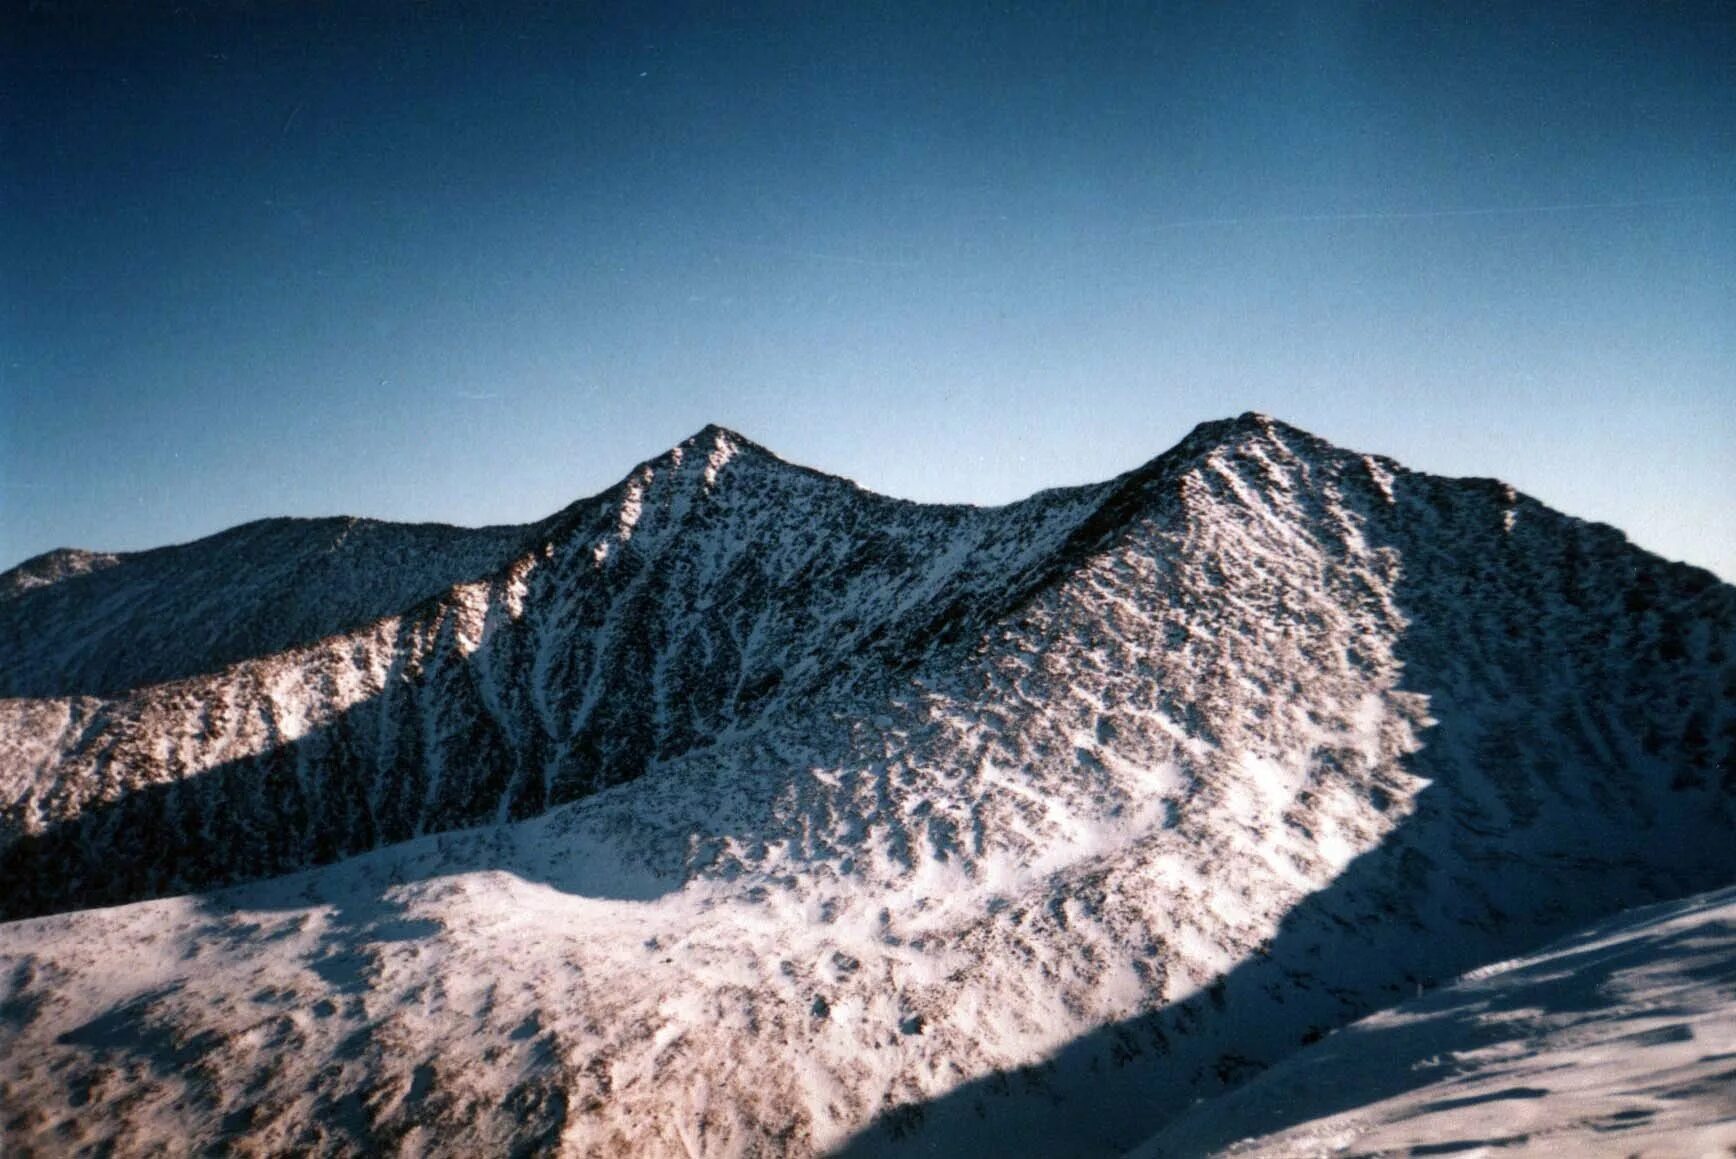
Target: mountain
[(742, 811), (698, 598), (80, 623)]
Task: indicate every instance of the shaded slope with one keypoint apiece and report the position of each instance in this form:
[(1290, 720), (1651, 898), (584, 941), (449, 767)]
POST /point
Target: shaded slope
[(1620, 1040), (78, 623)]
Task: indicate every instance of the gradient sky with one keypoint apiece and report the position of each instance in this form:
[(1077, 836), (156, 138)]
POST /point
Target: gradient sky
[(471, 262)]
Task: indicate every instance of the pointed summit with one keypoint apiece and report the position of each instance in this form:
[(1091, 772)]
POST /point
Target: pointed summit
[(711, 432), (715, 442), (715, 446), (718, 446), (1249, 424), (713, 435)]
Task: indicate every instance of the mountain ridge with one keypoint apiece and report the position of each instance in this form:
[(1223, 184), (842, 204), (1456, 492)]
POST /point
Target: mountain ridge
[(597, 549), (28, 612), (30, 577)]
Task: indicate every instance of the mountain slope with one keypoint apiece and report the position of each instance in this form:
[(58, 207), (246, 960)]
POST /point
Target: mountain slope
[(1617, 1041), (696, 598), (1056, 818), (83, 623)]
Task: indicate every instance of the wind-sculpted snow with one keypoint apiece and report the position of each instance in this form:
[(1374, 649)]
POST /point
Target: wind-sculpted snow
[(1617, 1041), (887, 828)]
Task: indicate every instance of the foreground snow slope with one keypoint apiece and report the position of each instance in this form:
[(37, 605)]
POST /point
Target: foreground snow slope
[(1053, 819), (1620, 1040)]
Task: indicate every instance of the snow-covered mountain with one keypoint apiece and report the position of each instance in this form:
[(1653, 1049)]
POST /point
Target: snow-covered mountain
[(81, 623), (695, 600), (741, 811)]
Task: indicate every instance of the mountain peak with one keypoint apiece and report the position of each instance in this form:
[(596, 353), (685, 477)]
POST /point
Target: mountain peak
[(51, 567), (711, 432), (717, 444), (1254, 430), (1252, 423)]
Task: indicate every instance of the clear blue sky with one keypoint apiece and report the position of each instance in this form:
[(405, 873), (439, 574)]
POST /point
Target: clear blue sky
[(470, 262)]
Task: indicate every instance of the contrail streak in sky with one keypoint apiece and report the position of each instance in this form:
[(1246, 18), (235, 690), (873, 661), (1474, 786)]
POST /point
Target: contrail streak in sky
[(290, 120), (1430, 214)]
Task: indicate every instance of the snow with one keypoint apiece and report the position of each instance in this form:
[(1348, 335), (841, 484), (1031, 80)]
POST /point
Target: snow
[(1381, 476), (1620, 1040), (722, 451), (78, 623)]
